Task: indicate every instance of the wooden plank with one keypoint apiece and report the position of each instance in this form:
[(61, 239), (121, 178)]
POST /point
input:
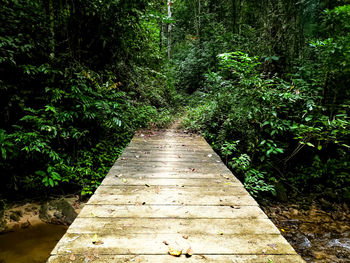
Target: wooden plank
[(152, 244), (170, 196), (168, 158), (142, 181), (187, 174), (172, 211), (123, 226), (187, 192), (169, 259), (168, 167)]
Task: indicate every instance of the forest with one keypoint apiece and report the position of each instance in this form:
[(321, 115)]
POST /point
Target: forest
[(266, 83)]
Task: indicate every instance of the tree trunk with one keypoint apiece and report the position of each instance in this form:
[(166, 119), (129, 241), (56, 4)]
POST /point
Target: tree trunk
[(169, 29)]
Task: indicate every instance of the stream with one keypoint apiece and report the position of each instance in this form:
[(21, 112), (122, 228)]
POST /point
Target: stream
[(30, 245), (319, 236)]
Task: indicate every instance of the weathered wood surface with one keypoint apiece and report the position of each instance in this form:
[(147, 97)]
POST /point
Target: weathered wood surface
[(170, 187)]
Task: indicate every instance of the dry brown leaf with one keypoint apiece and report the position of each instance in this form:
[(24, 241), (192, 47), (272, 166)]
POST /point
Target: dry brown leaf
[(165, 242), (185, 237), (189, 252), (273, 246), (72, 257), (98, 242)]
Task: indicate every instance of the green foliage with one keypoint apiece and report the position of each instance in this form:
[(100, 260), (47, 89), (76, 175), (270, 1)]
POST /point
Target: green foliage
[(263, 126), (77, 80)]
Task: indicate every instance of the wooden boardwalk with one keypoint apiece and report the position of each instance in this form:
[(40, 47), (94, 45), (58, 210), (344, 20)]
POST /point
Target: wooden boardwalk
[(170, 189)]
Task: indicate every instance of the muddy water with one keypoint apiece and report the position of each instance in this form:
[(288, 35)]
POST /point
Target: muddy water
[(30, 245)]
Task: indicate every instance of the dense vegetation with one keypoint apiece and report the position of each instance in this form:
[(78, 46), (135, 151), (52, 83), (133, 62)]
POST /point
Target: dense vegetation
[(270, 90), (77, 79), (266, 82)]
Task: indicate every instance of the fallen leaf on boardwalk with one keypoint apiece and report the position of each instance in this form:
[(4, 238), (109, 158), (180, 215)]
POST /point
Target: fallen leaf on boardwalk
[(98, 242), (123, 158), (93, 215), (220, 233), (174, 252), (147, 185), (137, 156), (202, 257), (228, 184), (273, 246), (119, 175), (94, 239), (157, 190), (138, 203), (72, 257), (210, 155), (165, 242), (189, 252), (179, 156), (124, 180), (185, 237)]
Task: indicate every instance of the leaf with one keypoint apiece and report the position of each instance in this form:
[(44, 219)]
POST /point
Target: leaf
[(310, 144), (124, 180), (189, 252), (72, 257), (174, 252)]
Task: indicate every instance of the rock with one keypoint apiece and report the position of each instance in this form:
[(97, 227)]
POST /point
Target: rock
[(294, 211), (3, 226), (329, 194), (67, 211), (26, 224), (16, 215), (319, 255), (44, 213), (281, 192), (325, 205)]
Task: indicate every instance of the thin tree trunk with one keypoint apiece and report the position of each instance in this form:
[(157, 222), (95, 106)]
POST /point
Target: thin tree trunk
[(161, 37), (199, 18), (51, 15), (169, 29)]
